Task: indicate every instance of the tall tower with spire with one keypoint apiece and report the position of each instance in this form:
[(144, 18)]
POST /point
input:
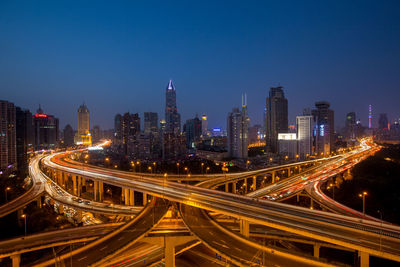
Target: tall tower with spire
[(172, 117)]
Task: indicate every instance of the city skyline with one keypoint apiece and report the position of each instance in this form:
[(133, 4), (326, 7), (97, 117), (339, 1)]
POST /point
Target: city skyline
[(120, 62)]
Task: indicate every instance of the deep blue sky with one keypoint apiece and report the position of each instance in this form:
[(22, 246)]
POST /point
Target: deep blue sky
[(118, 56)]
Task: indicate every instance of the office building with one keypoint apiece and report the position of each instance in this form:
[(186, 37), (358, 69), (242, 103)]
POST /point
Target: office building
[(204, 125), (84, 135), (24, 138), (304, 126), (69, 134), (8, 146), (193, 131), (324, 138), (45, 129), (276, 117), (150, 122), (287, 145), (117, 140), (238, 127), (172, 117), (351, 126), (130, 126), (383, 122)]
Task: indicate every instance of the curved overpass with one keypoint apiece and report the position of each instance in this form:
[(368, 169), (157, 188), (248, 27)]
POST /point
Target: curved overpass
[(352, 233)]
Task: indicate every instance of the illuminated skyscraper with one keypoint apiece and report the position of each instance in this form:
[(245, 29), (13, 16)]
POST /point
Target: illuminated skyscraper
[(238, 131), (172, 117), (46, 130), (150, 122), (323, 128), (8, 147), (84, 125), (204, 125), (304, 135), (276, 117)]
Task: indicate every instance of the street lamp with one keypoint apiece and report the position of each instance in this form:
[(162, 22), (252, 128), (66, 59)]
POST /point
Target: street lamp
[(207, 169), (333, 190), (186, 169), (362, 195), (24, 216), (202, 166), (247, 164), (150, 169), (138, 163), (6, 190), (177, 167)]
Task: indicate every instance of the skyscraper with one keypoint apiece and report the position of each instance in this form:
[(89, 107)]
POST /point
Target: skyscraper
[(24, 138), (350, 126), (68, 135), (45, 129), (8, 147), (323, 128), (193, 131), (150, 122), (172, 117), (238, 130), (276, 117), (130, 126), (304, 126), (204, 125), (117, 129), (383, 121), (84, 125)]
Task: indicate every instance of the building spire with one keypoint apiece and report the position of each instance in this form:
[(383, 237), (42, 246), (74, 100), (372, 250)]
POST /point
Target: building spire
[(170, 85)]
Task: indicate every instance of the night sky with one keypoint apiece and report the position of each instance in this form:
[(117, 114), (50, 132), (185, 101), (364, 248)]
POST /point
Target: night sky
[(118, 56)]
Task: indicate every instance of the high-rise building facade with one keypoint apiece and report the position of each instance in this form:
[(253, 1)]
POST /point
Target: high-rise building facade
[(118, 130), (150, 122), (8, 146), (351, 126), (84, 125), (204, 125), (276, 117), (304, 126), (324, 137), (192, 130), (68, 136), (130, 127), (172, 117), (45, 129), (24, 138), (383, 121), (238, 129)]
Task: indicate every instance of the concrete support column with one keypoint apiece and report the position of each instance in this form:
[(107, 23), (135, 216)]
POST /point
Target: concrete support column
[(144, 199), (131, 197), (16, 260), (39, 202), (273, 177), (96, 190), (234, 187), (364, 259), (244, 228), (227, 187), (288, 172), (74, 183), (312, 204), (316, 250), (126, 196), (79, 186), (254, 184), (101, 191), (298, 197), (83, 181), (169, 253)]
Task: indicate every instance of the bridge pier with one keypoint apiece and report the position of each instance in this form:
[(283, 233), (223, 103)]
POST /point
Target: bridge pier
[(131, 197), (39, 202), (125, 195), (16, 260), (364, 259), (244, 228), (316, 250), (234, 187), (273, 177), (74, 185), (227, 187), (101, 191), (169, 253), (144, 199), (254, 184)]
